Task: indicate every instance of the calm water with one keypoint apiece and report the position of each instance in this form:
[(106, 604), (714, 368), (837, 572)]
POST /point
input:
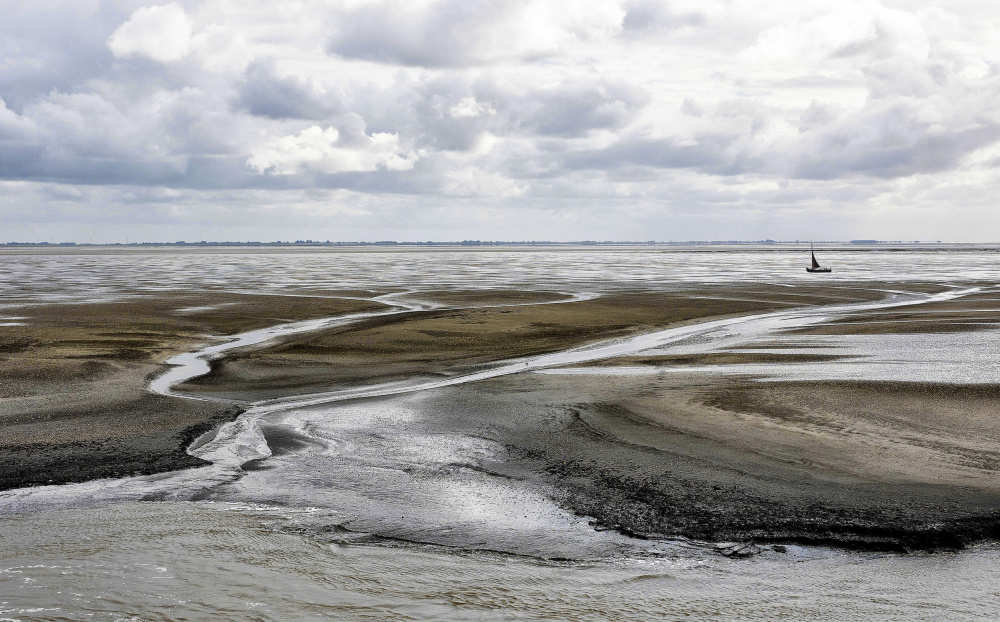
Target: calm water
[(271, 544), (171, 561), (25, 277)]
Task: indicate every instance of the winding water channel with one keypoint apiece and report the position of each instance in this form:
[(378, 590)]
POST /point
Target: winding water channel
[(343, 504)]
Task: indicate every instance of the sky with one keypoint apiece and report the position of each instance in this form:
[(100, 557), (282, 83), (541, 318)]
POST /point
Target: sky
[(447, 120)]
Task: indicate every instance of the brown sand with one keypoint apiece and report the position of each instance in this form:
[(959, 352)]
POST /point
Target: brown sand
[(878, 467), (865, 464), (444, 342), (73, 378), (970, 313), (887, 465)]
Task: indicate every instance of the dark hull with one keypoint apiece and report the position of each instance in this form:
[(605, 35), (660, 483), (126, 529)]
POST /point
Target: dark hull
[(824, 270)]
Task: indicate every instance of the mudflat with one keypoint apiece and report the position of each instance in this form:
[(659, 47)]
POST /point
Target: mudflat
[(880, 466), (74, 403), (719, 457), (970, 313), (496, 326), (861, 464), (73, 399)]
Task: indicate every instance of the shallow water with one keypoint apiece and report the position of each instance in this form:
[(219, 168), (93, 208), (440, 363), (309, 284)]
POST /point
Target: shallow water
[(173, 561), (82, 276), (971, 357), (288, 539)]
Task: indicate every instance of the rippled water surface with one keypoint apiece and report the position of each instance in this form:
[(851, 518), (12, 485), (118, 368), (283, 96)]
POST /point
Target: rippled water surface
[(169, 561), (271, 543), (78, 275)]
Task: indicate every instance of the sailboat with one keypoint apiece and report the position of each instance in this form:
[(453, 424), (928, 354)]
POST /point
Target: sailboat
[(815, 264)]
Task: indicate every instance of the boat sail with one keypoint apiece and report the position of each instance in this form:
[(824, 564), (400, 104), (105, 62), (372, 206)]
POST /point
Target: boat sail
[(815, 264)]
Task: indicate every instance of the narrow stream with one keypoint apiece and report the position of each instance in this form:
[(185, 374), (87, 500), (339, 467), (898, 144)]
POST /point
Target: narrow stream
[(243, 440)]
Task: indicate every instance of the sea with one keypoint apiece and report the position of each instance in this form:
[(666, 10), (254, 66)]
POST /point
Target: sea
[(367, 520)]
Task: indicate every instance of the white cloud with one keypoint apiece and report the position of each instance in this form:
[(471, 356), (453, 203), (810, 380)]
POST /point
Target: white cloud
[(469, 107), (162, 33), (322, 150), (474, 181), (469, 32), (14, 126), (558, 102)]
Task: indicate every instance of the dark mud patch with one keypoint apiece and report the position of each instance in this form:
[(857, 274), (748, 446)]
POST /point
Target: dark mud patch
[(716, 358), (37, 464), (671, 507), (693, 473)]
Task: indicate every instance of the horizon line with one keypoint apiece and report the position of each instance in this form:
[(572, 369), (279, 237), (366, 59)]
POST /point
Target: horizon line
[(484, 243)]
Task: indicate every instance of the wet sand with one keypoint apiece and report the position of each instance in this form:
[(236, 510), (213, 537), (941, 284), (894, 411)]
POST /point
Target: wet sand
[(894, 466), (859, 464), (864, 467), (446, 342), (971, 313), (897, 466), (74, 403)]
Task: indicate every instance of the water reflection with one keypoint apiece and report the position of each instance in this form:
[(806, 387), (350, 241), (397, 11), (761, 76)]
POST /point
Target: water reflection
[(76, 277)]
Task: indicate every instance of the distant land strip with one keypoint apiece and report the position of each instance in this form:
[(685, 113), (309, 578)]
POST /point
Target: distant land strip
[(477, 243)]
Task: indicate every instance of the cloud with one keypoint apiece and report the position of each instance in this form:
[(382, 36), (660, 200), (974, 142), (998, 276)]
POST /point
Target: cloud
[(892, 135), (263, 93), (42, 49), (85, 138), (889, 139), (469, 107), (321, 150), (455, 33), (452, 113), (473, 181), (575, 108), (686, 105), (162, 33), (647, 15)]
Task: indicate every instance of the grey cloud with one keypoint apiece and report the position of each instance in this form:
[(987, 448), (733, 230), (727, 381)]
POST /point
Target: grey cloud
[(890, 141), (574, 109), (460, 33), (816, 116), (885, 139), (190, 138), (59, 192), (85, 140), (431, 113), (447, 34), (263, 93), (707, 155), (645, 15), (35, 164), (63, 144), (376, 182), (200, 173), (725, 144), (44, 49), (233, 173), (421, 111), (691, 108), (920, 117)]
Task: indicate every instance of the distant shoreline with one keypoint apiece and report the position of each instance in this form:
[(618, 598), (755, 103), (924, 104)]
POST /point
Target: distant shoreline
[(381, 247)]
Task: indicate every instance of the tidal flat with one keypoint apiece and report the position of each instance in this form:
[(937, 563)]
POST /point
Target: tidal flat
[(74, 403), (631, 407), (74, 375)]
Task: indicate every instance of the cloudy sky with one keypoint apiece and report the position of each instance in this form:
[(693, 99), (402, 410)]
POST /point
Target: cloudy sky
[(499, 119)]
